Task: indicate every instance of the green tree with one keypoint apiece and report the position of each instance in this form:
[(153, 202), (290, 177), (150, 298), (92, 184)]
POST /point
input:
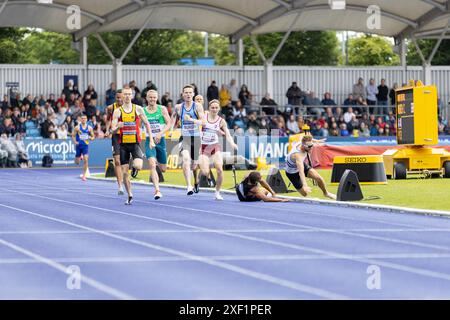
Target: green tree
[(152, 47), (319, 48), (44, 47), (442, 57), (9, 44), (369, 50)]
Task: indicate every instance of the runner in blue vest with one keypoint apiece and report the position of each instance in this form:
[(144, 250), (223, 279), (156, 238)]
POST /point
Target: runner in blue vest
[(190, 136), (81, 135)]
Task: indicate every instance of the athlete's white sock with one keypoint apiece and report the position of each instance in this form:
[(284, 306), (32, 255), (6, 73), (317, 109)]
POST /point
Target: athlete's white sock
[(218, 196)]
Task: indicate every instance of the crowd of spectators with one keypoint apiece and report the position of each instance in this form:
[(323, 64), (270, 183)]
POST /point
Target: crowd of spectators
[(367, 111)]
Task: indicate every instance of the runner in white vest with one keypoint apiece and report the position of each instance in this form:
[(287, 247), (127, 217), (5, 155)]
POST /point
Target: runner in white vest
[(210, 152), (297, 170)]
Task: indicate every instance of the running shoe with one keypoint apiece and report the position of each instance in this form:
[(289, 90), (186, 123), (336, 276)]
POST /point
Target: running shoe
[(120, 192), (129, 201), (134, 172), (158, 195), (196, 188), (219, 196)]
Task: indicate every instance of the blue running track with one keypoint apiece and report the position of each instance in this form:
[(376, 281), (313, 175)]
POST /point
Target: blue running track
[(53, 224)]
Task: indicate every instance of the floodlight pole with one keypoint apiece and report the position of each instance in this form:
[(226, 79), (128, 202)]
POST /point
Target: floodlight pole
[(403, 61), (427, 72), (117, 71), (84, 59), (240, 53), (268, 63), (3, 6)]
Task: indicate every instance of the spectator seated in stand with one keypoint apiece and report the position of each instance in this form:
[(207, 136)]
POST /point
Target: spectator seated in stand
[(310, 99), (10, 148), (268, 101)]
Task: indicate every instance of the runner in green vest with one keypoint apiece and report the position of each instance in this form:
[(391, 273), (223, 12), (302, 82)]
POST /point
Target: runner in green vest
[(160, 123)]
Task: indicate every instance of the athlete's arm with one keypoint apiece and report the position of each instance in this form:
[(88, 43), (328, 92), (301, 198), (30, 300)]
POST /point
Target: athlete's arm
[(266, 186), (200, 122), (91, 133), (200, 111), (141, 114), (258, 193), (224, 128), (108, 120), (116, 125), (175, 114), (319, 142), (74, 134), (301, 172), (167, 119)]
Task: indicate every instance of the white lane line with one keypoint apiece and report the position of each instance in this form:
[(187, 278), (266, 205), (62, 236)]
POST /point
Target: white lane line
[(227, 258), (352, 234), (140, 187), (229, 267), (399, 267), (85, 279), (56, 232)]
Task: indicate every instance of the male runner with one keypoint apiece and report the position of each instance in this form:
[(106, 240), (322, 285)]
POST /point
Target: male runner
[(190, 135), (115, 139), (210, 152), (199, 100), (297, 170), (81, 135), (127, 118), (250, 191), (160, 123)]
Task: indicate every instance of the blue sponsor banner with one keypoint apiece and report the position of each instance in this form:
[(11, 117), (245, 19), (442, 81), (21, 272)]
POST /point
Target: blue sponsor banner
[(63, 151), (273, 149)]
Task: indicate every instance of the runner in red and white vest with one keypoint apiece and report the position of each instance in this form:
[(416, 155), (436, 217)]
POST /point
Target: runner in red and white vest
[(210, 152)]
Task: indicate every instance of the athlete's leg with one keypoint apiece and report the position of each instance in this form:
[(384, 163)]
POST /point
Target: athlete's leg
[(203, 162), (187, 168), (77, 161), (126, 179), (118, 170), (218, 164), (161, 155), (153, 172), (313, 174), (85, 165), (294, 178), (138, 163)]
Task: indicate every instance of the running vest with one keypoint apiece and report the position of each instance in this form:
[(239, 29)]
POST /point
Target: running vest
[(189, 128), (115, 106), (130, 132), (156, 120), (291, 165), (83, 135), (210, 131), (244, 188)]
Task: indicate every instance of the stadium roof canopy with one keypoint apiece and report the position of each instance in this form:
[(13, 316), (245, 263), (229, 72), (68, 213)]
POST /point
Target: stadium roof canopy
[(400, 19), (234, 18)]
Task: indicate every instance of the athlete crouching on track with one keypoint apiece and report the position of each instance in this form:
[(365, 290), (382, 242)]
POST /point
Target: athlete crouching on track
[(297, 170), (249, 190)]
